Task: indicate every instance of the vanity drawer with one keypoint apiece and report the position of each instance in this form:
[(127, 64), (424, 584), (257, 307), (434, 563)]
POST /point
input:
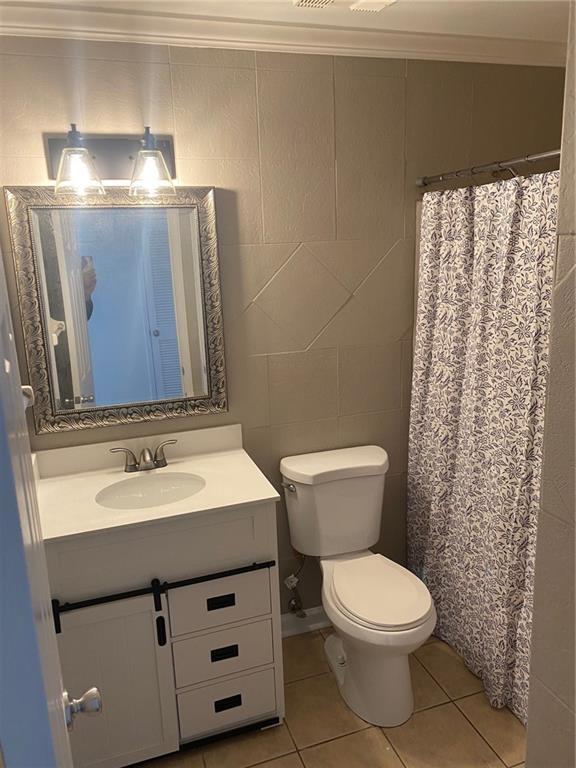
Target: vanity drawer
[(222, 601), (197, 659), (222, 705)]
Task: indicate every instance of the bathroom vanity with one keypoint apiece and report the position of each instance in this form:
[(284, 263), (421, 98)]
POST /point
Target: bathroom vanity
[(170, 609)]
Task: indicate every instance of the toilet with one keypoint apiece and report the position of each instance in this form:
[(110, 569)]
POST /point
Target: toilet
[(381, 612)]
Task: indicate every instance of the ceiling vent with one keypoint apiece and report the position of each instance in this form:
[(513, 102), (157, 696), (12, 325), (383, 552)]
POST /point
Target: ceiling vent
[(312, 3), (372, 6)]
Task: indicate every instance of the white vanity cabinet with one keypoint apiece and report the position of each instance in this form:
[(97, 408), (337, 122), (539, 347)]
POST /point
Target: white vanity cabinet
[(173, 613)]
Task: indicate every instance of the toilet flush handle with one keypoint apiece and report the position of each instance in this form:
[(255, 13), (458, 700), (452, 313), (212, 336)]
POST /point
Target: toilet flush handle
[(290, 487)]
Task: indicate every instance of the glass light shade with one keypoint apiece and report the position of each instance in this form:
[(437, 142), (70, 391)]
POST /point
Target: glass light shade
[(151, 176), (77, 174)]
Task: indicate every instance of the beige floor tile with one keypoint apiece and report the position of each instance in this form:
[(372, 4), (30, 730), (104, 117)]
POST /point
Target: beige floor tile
[(248, 749), (441, 738), (448, 669), (427, 692), (366, 749), (316, 712), (290, 761), (501, 729), (187, 758), (304, 656)]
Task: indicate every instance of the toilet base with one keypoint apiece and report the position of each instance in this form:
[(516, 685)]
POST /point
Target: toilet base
[(376, 686)]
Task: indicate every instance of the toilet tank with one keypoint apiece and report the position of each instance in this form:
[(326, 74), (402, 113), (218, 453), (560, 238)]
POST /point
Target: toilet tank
[(334, 499)]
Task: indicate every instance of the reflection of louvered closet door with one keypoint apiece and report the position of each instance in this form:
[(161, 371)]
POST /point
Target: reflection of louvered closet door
[(162, 318)]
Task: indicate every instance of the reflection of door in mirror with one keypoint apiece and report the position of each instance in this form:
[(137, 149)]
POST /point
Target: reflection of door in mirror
[(123, 299)]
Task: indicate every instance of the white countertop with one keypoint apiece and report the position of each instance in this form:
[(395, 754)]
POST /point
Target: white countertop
[(68, 507)]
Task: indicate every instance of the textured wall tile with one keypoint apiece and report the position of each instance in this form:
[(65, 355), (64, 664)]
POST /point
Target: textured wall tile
[(392, 541), (247, 268), (302, 296), (215, 112), (507, 121), (238, 207), (388, 429), (212, 57), (46, 94), (559, 438), (350, 261), (83, 49), (407, 357), (551, 736), (370, 378), (566, 256), (293, 62), (553, 631), (248, 387), (258, 334), (360, 66), (297, 155), (23, 171), (303, 386), (370, 157), (381, 308), (438, 117)]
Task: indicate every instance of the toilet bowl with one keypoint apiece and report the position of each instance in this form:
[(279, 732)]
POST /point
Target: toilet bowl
[(380, 611)]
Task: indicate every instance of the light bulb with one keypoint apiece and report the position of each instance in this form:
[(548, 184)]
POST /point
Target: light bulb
[(151, 176), (77, 174)]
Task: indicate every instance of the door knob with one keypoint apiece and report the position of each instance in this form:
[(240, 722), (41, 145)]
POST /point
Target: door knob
[(90, 703)]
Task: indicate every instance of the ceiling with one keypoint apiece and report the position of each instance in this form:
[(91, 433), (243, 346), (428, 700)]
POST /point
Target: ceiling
[(507, 31)]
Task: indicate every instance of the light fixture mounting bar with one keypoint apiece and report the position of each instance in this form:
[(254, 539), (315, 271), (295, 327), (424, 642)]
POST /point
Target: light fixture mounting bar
[(114, 154)]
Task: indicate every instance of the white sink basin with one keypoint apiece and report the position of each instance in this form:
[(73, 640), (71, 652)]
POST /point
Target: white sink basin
[(150, 489)]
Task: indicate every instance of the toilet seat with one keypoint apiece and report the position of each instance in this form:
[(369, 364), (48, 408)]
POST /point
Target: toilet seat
[(377, 593)]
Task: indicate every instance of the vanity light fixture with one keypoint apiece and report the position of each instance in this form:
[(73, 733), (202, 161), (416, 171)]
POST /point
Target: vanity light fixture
[(77, 174), (151, 176)]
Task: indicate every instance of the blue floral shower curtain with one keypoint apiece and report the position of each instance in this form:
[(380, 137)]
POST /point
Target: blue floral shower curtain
[(476, 423)]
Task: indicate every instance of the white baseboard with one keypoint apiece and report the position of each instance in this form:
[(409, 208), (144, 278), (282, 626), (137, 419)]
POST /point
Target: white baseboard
[(315, 619)]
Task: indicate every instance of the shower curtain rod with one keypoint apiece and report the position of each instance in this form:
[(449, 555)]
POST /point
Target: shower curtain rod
[(424, 181)]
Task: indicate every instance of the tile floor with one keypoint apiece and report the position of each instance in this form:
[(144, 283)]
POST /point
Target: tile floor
[(453, 725)]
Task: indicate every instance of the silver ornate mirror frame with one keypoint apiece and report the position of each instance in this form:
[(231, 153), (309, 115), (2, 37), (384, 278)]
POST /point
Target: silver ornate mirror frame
[(20, 202)]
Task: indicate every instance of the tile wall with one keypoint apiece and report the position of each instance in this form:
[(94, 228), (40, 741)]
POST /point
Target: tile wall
[(315, 160), (551, 713)]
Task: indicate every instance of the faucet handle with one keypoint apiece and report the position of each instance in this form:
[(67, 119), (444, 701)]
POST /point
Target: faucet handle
[(131, 464), (159, 458)]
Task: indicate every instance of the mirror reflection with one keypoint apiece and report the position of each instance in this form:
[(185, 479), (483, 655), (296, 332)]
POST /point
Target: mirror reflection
[(122, 299)]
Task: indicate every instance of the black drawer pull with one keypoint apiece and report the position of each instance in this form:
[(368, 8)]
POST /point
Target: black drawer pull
[(220, 654), (232, 701), (222, 601), (161, 630)]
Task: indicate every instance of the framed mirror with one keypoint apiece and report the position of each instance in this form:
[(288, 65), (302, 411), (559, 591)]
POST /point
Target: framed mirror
[(120, 305)]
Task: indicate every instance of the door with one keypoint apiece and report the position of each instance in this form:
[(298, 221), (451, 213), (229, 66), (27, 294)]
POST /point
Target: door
[(169, 371), (32, 728), (72, 271), (116, 647)]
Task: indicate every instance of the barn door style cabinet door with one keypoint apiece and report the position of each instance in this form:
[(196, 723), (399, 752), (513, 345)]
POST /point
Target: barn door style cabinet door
[(115, 647)]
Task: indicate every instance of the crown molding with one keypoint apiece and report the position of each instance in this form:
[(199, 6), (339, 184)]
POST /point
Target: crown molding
[(59, 21)]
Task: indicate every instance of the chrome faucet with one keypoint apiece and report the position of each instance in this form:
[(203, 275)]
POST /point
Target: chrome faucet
[(146, 461)]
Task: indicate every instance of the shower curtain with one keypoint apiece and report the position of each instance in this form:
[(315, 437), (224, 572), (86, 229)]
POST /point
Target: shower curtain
[(476, 422)]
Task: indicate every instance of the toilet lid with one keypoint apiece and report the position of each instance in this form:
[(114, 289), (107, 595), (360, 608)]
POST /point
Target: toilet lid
[(380, 593)]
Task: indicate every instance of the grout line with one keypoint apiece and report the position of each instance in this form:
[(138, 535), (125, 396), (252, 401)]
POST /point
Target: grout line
[(335, 157), (481, 735), (280, 268), (259, 142), (366, 727), (393, 747)]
